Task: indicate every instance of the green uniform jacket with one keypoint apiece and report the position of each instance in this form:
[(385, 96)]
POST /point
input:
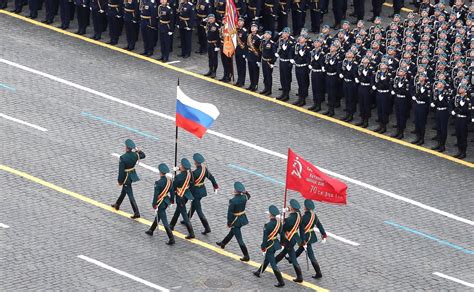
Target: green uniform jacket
[(160, 185), (288, 225), (179, 182), (268, 244), (128, 162), (199, 189), (310, 236), (236, 206)]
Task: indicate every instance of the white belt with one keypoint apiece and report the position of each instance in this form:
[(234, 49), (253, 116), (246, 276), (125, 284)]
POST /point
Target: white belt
[(348, 80), (401, 95), (365, 84), (382, 91), (316, 70), (461, 116), (332, 74), (284, 60), (301, 65), (441, 108)]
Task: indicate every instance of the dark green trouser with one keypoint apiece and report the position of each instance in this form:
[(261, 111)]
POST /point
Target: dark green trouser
[(127, 190)]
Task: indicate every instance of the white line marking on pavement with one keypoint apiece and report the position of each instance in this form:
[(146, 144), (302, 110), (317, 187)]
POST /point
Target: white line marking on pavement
[(173, 62), (23, 122), (140, 280), (454, 279), (331, 235), (4, 225), (241, 142)]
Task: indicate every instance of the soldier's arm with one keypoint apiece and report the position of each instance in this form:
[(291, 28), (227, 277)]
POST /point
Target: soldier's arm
[(212, 179), (156, 194), (319, 225), (230, 213), (263, 246), (121, 172)]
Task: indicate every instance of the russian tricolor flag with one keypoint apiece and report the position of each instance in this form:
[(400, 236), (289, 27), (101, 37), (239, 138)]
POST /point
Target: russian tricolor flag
[(194, 117)]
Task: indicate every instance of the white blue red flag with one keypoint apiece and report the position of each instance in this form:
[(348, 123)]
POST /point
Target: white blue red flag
[(194, 117)]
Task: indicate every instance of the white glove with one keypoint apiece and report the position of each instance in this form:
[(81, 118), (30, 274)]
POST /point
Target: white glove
[(357, 80), (177, 26), (217, 49), (187, 28), (156, 210), (118, 16), (322, 69), (216, 191), (134, 21), (323, 241), (432, 104), (310, 67), (243, 57), (258, 64), (472, 120), (392, 92), (278, 217), (374, 88), (169, 175), (453, 113), (170, 33), (256, 18), (341, 76), (175, 168), (101, 11), (271, 66), (305, 247), (277, 55), (414, 98), (285, 210), (264, 253), (292, 61)]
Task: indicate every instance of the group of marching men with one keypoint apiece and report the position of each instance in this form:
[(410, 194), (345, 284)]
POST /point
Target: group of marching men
[(291, 227)]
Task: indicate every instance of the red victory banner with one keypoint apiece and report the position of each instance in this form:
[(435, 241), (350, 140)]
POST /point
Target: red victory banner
[(311, 183)]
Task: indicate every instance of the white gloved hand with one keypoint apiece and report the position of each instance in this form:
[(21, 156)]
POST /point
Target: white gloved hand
[(341, 76), (216, 191), (278, 217), (292, 61), (356, 80), (101, 11), (322, 69), (217, 49), (156, 210), (374, 88), (271, 66), (187, 28), (414, 98), (323, 241), (243, 57), (432, 104), (170, 33), (118, 16), (175, 168), (277, 55), (264, 253), (177, 26), (453, 113), (169, 175), (472, 120), (134, 21), (392, 92), (305, 247), (259, 64), (310, 67)]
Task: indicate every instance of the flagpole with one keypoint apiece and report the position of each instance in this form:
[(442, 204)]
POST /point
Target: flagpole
[(286, 183), (176, 141)]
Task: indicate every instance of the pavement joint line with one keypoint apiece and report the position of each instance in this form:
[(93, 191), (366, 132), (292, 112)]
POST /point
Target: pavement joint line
[(459, 281), (425, 235), (241, 142), (119, 125), (332, 235), (7, 87), (4, 225), (2, 115), (144, 221), (242, 90), (122, 273)]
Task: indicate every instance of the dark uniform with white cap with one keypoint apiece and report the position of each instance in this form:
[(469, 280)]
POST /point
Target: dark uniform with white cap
[(127, 175), (182, 193), (236, 218), (268, 49), (161, 201), (270, 244), (285, 53)]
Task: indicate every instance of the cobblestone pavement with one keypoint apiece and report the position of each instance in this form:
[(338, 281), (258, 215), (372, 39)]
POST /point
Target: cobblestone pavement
[(49, 229)]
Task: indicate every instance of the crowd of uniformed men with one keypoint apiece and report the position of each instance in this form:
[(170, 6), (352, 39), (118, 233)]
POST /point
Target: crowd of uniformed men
[(423, 62), (281, 234)]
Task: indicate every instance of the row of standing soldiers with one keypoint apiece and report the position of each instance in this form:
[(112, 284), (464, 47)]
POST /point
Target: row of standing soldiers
[(189, 185)]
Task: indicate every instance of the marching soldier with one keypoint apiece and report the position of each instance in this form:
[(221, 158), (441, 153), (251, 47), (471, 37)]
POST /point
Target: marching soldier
[(240, 52), (131, 19), (182, 193), (301, 58), (317, 75), (83, 12), (127, 175), (348, 73), (236, 219), (421, 97), (161, 201), (203, 9), (381, 86), (461, 111), (66, 10), (199, 191), (401, 92), (213, 44), (186, 22), (270, 244), (286, 45), (166, 28), (99, 17), (148, 25), (441, 98), (289, 237), (253, 56), (268, 49), (115, 20), (309, 221)]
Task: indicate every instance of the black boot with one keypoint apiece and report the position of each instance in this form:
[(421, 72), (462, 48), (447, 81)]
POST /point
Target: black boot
[(279, 277), (400, 135), (225, 241), (360, 123), (190, 231), (378, 129), (208, 73), (316, 107), (395, 135), (299, 275), (284, 96), (115, 206), (317, 269), (213, 74), (170, 236), (441, 148), (244, 250), (418, 138), (436, 147), (350, 118), (422, 140), (152, 228), (366, 123), (207, 228)]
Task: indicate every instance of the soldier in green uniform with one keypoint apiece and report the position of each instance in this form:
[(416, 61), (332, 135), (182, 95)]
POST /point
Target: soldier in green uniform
[(199, 190), (236, 218), (127, 175), (181, 191), (290, 237), (270, 245), (308, 222), (161, 201)]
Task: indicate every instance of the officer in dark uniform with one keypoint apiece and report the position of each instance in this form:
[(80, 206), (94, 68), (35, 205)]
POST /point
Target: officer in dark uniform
[(181, 193), (331, 65), (33, 5), (269, 14), (348, 73), (18, 6), (298, 12), (316, 15), (99, 17), (51, 7), (241, 52), (289, 237), (219, 8), (308, 238), (66, 9), (199, 189), (359, 10), (421, 97), (4, 4), (115, 19), (381, 86), (282, 18), (271, 244), (161, 201), (285, 51), (301, 58), (148, 25), (131, 20), (203, 9), (127, 175), (401, 92), (338, 8), (166, 28), (268, 49), (236, 219), (186, 16), (253, 56), (377, 9), (213, 44), (317, 75), (441, 97), (461, 111), (83, 12)]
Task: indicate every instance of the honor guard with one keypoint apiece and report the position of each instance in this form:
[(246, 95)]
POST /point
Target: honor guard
[(348, 73), (316, 15), (381, 86), (18, 5), (253, 56), (254, 11), (148, 25), (285, 51), (298, 12), (181, 193), (282, 18), (131, 20), (33, 6), (331, 65), (308, 238), (186, 16), (421, 97), (213, 44), (83, 12), (441, 98), (99, 17), (236, 219), (268, 49), (127, 175), (241, 52), (161, 201), (289, 237), (66, 11), (301, 58), (115, 19), (166, 29), (401, 92), (269, 14), (200, 174), (317, 75), (203, 9), (270, 244), (461, 111), (51, 7)]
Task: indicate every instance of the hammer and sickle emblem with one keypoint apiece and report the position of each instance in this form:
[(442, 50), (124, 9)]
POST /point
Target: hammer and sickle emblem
[(297, 168)]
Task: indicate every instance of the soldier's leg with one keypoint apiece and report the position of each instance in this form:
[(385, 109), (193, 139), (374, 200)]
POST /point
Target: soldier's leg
[(296, 266), (120, 198), (136, 212), (175, 217), (184, 215), (314, 262), (243, 247), (226, 239), (276, 270), (205, 223), (281, 255), (164, 221), (153, 226)]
